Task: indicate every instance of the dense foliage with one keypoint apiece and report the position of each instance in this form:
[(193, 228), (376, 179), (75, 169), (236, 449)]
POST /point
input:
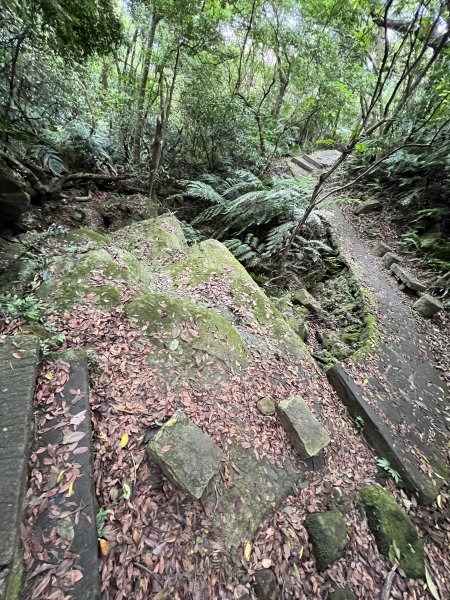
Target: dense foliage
[(169, 89)]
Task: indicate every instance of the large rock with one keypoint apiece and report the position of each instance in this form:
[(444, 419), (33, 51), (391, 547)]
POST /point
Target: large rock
[(368, 207), (390, 258), (392, 526), (427, 306), (151, 239), (407, 278), (328, 534), (380, 249), (302, 428), (185, 454), (14, 199), (266, 586), (201, 329)]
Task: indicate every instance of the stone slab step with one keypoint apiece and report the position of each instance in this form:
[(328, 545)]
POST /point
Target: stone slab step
[(304, 164), (405, 453), (296, 170), (242, 504), (310, 159), (19, 359), (66, 521)]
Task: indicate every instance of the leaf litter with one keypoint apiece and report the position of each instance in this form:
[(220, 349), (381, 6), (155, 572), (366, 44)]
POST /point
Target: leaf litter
[(156, 541)]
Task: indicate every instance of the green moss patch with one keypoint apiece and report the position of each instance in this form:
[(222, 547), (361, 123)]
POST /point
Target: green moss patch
[(328, 534), (152, 238), (212, 259), (183, 327), (393, 529), (72, 277)]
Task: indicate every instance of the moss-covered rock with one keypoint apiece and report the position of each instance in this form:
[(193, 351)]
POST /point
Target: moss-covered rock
[(266, 586), (247, 300), (152, 238), (86, 235), (71, 279), (198, 328), (304, 298), (328, 534), (392, 527)]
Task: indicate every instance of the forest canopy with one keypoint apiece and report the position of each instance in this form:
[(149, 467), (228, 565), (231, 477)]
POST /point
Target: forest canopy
[(171, 90)]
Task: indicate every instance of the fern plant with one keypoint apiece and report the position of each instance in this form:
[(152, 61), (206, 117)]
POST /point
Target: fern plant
[(255, 218)]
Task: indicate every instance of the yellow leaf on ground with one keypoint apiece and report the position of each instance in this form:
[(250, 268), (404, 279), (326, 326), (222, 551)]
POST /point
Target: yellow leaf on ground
[(124, 440), (247, 550), (60, 475), (49, 376), (104, 547), (70, 491)]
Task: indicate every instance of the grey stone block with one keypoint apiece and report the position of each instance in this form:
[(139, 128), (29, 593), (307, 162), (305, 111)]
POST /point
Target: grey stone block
[(380, 248), (427, 306), (187, 456), (302, 428), (407, 278), (390, 258), (19, 359), (368, 207), (266, 407)]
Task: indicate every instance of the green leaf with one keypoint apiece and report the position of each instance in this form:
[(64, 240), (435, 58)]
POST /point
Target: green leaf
[(174, 345), (126, 489)]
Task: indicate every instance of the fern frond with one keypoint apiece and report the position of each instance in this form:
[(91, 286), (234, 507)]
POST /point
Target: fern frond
[(204, 191)]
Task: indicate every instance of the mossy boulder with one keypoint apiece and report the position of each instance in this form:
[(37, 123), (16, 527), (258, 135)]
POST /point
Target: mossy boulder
[(152, 238), (71, 279), (248, 304), (328, 534), (83, 236), (196, 328), (392, 529), (266, 586)]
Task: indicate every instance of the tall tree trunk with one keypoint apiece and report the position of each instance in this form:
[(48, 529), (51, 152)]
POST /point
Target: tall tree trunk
[(161, 127), (142, 88)]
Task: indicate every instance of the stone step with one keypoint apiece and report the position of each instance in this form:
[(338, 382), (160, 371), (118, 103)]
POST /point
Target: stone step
[(407, 278), (310, 159), (382, 417), (19, 360), (305, 165), (296, 170), (66, 521)]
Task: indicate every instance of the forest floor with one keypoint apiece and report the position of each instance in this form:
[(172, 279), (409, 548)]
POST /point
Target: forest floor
[(156, 538)]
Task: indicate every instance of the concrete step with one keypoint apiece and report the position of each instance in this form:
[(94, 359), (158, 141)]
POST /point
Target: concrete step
[(19, 360), (66, 521), (296, 170), (303, 163), (310, 159), (382, 417)]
